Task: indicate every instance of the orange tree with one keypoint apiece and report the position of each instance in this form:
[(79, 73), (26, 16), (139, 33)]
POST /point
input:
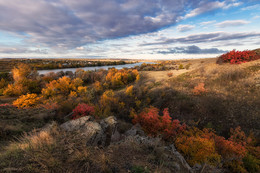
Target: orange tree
[(62, 86), (118, 78)]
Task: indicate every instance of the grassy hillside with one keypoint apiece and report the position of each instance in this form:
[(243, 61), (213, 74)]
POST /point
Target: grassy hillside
[(257, 51), (209, 111)]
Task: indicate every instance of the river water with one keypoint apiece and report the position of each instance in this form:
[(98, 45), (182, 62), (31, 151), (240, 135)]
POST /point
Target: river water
[(94, 68)]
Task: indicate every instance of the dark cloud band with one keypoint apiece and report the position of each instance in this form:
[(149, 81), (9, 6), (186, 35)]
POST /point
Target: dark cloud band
[(68, 24), (191, 50)]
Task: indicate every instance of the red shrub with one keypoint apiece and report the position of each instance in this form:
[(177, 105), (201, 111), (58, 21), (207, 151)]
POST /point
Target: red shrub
[(238, 57), (238, 136), (83, 110), (154, 124), (229, 149)]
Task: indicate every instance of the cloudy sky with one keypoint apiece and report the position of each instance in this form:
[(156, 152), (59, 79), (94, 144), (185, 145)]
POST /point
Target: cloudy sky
[(147, 29)]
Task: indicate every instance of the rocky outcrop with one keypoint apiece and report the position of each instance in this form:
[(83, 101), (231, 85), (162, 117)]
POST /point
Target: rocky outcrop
[(78, 124), (95, 133), (170, 152), (104, 133)]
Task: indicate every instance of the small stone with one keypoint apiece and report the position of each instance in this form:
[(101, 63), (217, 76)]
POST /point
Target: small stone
[(176, 167), (197, 167)]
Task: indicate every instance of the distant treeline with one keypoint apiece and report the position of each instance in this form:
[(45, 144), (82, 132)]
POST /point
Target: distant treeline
[(45, 64)]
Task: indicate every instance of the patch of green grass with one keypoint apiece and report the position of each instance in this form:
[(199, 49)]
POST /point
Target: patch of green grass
[(183, 77), (139, 169)]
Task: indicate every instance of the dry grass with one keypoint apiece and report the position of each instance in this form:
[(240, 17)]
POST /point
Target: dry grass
[(14, 122), (232, 98), (57, 151)]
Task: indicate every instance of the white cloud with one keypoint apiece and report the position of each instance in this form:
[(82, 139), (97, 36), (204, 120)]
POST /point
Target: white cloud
[(184, 28), (230, 23), (209, 37), (204, 8), (80, 48), (256, 17), (252, 7), (236, 4), (208, 22)]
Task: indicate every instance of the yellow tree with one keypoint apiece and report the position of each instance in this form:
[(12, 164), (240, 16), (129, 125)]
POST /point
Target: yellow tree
[(21, 72)]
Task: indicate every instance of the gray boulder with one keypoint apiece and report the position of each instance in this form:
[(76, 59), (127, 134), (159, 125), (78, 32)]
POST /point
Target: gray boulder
[(95, 133)]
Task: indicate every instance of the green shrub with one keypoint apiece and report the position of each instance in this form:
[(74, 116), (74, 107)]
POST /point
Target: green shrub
[(187, 66), (139, 169), (181, 66), (251, 163), (3, 83)]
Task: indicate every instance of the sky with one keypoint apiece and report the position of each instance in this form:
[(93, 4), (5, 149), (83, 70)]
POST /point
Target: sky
[(132, 29)]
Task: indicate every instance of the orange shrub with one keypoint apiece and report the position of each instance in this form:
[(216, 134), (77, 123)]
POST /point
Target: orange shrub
[(200, 146), (169, 74), (238, 136), (15, 90), (98, 86), (232, 154), (197, 149), (26, 101), (82, 90), (230, 150), (129, 90), (199, 89), (108, 98)]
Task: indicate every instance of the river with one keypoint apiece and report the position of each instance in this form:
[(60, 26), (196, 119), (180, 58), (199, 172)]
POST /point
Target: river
[(94, 68)]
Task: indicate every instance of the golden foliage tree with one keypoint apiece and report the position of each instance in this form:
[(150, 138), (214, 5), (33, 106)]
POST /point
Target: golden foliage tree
[(63, 86), (26, 101)]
